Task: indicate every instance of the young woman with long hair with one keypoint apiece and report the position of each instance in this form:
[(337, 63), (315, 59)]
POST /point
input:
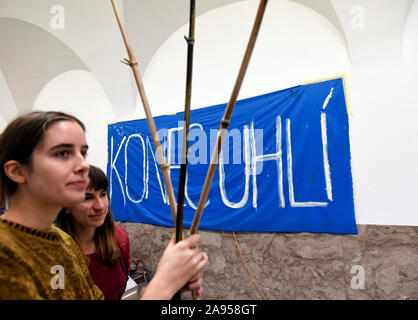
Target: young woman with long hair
[(44, 169), (105, 245)]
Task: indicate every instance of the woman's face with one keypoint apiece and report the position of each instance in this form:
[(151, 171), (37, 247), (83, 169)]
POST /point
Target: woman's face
[(58, 172), (93, 210)]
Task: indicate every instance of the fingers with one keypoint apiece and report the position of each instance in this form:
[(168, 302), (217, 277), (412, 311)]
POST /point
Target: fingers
[(173, 238), (197, 260), (202, 261), (195, 277), (188, 243), (182, 263), (192, 241), (195, 284)]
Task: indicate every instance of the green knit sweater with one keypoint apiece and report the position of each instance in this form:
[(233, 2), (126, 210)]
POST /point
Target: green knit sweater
[(42, 265)]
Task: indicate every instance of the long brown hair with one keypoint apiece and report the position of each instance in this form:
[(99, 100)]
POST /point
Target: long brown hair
[(20, 138), (107, 248)]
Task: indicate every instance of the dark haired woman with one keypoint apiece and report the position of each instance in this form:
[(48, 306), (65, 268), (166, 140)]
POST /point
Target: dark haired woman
[(105, 245), (43, 169)]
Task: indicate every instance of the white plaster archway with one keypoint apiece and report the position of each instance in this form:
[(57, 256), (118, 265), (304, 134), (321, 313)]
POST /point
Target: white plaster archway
[(295, 44), (78, 93)]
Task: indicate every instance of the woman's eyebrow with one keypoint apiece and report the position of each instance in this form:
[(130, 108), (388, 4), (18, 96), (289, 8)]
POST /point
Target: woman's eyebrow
[(62, 145), (67, 145)]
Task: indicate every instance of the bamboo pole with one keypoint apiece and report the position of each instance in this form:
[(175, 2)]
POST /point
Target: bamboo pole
[(151, 124), (185, 145), (227, 116)]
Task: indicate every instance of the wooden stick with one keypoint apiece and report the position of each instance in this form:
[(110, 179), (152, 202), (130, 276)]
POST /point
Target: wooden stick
[(227, 116), (185, 146), (151, 124)]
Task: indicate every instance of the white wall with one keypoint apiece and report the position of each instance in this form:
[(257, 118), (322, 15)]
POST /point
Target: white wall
[(7, 104), (297, 44), (90, 29), (3, 123), (410, 37), (78, 93)]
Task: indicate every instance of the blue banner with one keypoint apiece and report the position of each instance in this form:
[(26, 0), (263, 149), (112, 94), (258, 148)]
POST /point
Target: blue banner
[(284, 167)]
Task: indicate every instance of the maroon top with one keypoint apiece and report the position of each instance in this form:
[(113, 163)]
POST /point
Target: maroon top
[(111, 278)]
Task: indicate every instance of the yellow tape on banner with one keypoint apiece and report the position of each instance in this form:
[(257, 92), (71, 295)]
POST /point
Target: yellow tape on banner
[(346, 95)]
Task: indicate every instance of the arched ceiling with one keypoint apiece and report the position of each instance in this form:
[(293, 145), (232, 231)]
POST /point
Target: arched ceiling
[(31, 53), (29, 58), (150, 23)]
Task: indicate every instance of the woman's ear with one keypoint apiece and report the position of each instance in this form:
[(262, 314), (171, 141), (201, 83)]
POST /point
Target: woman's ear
[(15, 171)]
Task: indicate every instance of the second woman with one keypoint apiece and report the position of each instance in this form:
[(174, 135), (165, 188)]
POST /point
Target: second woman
[(104, 244)]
